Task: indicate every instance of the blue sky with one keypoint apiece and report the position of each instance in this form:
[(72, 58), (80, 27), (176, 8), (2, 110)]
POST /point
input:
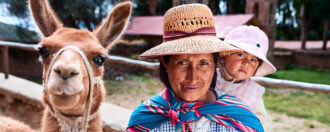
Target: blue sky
[(5, 17)]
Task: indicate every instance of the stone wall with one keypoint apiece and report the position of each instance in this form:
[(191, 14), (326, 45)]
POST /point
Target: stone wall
[(319, 59), (300, 58), (282, 59)]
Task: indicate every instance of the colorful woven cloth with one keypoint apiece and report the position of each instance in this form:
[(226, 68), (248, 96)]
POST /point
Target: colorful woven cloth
[(227, 111)]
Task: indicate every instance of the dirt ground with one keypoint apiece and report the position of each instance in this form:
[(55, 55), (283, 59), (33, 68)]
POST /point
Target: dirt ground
[(274, 122)]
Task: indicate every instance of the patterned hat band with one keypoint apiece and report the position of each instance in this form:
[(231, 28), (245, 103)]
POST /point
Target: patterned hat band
[(188, 29), (173, 35)]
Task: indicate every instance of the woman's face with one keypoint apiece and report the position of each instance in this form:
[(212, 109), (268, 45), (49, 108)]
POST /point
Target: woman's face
[(241, 65), (191, 75)]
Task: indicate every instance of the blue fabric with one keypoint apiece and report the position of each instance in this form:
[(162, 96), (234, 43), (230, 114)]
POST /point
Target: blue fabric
[(146, 118)]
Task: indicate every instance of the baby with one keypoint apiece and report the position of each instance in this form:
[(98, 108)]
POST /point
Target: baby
[(234, 70)]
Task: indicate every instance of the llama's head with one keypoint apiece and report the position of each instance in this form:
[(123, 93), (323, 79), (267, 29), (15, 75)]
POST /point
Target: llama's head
[(66, 76)]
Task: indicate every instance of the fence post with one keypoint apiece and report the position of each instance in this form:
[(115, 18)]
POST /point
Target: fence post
[(5, 61)]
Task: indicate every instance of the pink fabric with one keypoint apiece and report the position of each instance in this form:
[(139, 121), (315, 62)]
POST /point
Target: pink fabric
[(173, 35), (247, 90), (254, 41)]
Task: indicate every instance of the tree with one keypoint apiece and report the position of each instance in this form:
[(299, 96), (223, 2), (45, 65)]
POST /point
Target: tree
[(305, 18), (321, 14), (82, 13), (17, 8), (286, 22), (214, 6), (152, 4), (142, 8), (235, 6), (313, 14), (163, 6), (325, 34), (303, 22), (75, 13), (146, 7)]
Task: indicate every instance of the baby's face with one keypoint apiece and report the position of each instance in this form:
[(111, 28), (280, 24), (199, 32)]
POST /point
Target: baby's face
[(241, 65)]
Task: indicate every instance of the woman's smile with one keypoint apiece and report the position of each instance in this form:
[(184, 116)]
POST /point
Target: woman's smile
[(191, 75), (190, 87)]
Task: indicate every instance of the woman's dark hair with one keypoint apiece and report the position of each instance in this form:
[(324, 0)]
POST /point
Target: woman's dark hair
[(164, 77)]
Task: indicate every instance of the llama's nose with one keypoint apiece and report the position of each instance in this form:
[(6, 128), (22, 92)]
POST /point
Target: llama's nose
[(66, 71)]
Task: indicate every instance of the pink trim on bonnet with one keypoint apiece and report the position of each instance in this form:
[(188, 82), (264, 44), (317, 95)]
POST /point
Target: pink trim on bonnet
[(173, 35)]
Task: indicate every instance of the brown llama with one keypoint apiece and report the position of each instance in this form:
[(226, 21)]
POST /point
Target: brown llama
[(73, 67)]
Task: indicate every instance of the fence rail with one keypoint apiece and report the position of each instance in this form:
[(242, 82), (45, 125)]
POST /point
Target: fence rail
[(261, 80), (5, 58), (29, 47), (292, 84)]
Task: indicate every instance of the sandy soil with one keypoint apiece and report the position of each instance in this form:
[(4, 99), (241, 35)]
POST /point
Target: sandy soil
[(275, 122), (127, 101)]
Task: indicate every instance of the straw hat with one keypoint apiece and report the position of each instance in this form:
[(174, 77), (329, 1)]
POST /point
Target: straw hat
[(188, 29), (254, 41)]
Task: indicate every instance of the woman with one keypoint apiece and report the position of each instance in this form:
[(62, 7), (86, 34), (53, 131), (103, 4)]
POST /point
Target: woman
[(187, 69)]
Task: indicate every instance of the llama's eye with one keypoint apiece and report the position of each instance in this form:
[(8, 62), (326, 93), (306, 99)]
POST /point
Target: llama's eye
[(43, 52), (99, 60)]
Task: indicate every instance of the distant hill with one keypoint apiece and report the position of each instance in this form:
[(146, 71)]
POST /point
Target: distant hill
[(17, 34)]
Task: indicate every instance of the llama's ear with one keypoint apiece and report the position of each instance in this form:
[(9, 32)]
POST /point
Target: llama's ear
[(44, 17), (115, 24)]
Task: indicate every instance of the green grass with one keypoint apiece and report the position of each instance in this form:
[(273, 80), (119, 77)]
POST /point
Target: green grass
[(298, 103), (133, 84), (303, 75)]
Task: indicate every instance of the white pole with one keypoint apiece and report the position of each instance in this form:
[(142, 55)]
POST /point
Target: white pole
[(292, 84)]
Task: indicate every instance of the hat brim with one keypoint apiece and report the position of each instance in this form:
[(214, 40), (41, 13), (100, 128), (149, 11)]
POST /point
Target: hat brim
[(266, 67), (200, 44)]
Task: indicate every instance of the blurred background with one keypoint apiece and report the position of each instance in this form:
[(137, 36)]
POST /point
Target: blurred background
[(298, 32)]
